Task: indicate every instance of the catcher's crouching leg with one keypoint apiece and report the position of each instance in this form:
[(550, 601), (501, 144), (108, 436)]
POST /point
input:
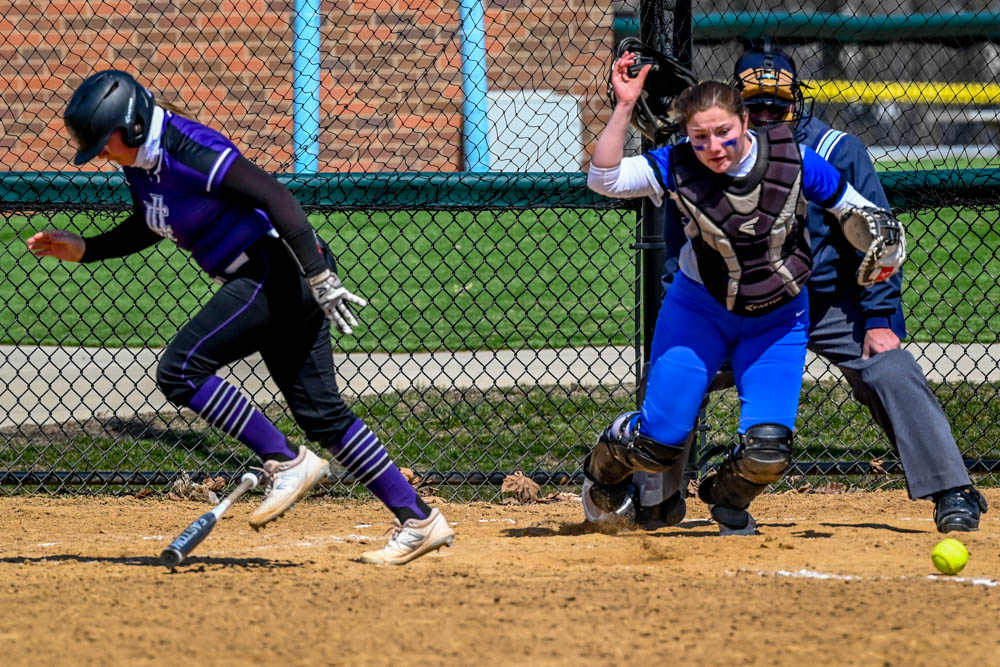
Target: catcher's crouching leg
[(620, 451), (764, 454)]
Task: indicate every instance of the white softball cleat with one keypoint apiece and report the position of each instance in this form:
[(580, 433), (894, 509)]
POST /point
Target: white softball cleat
[(591, 512), (412, 539), (287, 483)]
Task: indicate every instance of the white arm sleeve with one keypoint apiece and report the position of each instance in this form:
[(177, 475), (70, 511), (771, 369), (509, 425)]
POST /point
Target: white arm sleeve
[(850, 198), (634, 177)]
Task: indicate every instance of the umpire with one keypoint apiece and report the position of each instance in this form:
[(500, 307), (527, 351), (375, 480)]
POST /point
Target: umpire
[(859, 328)]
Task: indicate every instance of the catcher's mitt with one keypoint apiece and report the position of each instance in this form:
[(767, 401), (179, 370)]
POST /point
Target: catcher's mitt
[(880, 236), (667, 78)]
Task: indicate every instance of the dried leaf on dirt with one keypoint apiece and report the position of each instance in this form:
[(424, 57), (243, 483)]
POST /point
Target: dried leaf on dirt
[(523, 489), (560, 497), (216, 484), (416, 481), (877, 469), (803, 487), (185, 489), (143, 493), (830, 487)]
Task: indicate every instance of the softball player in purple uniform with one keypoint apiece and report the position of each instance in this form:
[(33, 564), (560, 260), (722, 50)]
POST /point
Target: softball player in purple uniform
[(740, 294), (279, 292)]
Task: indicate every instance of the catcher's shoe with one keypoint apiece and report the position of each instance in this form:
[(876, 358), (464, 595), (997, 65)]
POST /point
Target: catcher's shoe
[(959, 509), (668, 513), (615, 505), (731, 520), (412, 539), (287, 482)]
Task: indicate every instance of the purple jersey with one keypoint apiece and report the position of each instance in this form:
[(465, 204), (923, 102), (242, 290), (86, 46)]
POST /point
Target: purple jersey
[(180, 195)]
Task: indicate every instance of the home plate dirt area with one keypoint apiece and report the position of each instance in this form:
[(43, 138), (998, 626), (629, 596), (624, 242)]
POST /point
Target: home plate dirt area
[(830, 579)]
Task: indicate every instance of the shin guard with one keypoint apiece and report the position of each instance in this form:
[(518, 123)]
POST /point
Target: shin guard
[(762, 458)]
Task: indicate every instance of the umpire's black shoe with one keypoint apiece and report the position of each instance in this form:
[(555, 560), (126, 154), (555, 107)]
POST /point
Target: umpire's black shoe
[(958, 509), (668, 513)]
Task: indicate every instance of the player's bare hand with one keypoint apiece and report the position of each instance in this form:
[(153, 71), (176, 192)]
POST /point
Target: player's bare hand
[(878, 341), (334, 299), (627, 88), (67, 246)]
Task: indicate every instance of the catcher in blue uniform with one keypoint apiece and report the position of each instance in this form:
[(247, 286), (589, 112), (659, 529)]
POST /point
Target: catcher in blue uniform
[(740, 292), (279, 292), (858, 328)]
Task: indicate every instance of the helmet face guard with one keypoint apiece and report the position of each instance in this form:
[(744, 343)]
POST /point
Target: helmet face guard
[(652, 114), (768, 79), (104, 103)]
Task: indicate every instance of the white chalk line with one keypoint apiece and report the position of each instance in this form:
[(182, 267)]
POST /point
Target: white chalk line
[(322, 541), (828, 576)]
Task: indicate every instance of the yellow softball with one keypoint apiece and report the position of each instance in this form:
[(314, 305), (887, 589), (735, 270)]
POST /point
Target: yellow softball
[(949, 556)]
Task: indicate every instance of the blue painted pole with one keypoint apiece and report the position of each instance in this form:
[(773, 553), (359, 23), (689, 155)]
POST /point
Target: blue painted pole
[(475, 105), (305, 104)]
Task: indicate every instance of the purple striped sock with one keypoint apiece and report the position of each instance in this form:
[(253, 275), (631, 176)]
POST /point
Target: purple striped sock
[(364, 457), (223, 406)]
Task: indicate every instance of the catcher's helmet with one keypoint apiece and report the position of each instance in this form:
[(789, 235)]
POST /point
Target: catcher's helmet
[(767, 76), (652, 114), (105, 102)]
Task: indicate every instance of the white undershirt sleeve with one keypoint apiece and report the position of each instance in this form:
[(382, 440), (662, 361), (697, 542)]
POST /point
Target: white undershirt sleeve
[(634, 177), (850, 198)]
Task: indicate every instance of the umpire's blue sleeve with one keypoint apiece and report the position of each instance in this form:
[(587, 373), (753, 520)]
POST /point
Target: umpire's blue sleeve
[(880, 301)]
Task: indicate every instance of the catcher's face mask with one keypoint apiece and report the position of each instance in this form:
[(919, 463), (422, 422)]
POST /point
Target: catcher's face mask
[(667, 79), (770, 87)]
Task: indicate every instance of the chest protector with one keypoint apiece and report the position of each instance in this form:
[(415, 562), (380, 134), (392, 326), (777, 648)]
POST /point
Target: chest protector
[(748, 234)]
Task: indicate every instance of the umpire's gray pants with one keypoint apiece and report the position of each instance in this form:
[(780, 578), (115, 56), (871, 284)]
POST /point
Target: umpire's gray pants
[(891, 385)]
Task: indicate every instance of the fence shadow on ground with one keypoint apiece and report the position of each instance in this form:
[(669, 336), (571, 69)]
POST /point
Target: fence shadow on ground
[(875, 526)]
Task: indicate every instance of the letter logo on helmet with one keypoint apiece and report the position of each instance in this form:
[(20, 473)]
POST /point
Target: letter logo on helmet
[(767, 80), (105, 102)]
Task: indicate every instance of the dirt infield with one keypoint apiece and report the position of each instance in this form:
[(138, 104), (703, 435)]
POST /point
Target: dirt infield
[(831, 579)]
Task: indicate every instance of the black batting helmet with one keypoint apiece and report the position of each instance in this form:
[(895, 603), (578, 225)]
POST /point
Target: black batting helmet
[(105, 102)]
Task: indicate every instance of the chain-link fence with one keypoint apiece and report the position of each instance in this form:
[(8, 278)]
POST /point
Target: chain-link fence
[(915, 82), (501, 324), (438, 147)]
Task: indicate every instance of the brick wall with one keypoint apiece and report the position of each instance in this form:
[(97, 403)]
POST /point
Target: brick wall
[(391, 77)]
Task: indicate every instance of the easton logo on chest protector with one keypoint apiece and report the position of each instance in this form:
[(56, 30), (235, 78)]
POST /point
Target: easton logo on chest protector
[(748, 234)]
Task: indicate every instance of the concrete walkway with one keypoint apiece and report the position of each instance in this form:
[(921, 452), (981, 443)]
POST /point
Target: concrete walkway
[(51, 385)]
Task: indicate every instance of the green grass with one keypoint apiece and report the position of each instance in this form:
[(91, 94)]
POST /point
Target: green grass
[(447, 280), (833, 426), (951, 292), (542, 428), (538, 428), (434, 280)]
